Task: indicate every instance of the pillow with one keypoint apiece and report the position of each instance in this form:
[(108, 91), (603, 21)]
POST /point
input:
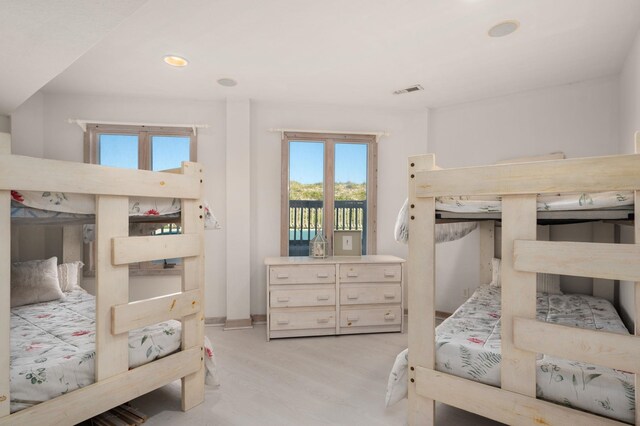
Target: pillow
[(548, 283), (545, 283), (34, 281), (495, 272), (70, 275)]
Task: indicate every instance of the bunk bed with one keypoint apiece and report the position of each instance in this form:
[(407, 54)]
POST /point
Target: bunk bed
[(526, 339), (104, 331)]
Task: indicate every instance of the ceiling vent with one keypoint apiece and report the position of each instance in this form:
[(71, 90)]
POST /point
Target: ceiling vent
[(414, 88)]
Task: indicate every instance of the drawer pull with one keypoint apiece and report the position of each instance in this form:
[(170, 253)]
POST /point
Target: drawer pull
[(323, 320), (352, 274), (282, 276), (389, 316), (323, 275), (389, 296), (283, 299), (323, 297), (283, 321), (389, 274), (352, 296), (352, 317)]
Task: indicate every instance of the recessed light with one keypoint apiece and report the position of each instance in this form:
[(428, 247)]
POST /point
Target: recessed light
[(176, 61), (504, 28), (227, 82)]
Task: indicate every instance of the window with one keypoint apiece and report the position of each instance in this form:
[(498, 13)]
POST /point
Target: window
[(139, 147), (327, 173), (146, 148)]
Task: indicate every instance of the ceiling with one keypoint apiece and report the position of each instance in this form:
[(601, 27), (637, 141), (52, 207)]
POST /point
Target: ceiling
[(354, 52), (40, 39)]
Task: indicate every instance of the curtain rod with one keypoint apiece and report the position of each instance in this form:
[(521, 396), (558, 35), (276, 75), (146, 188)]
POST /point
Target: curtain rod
[(378, 135), (83, 124)]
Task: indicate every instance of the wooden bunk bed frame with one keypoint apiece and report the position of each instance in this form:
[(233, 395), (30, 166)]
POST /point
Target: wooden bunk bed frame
[(115, 315), (523, 336)]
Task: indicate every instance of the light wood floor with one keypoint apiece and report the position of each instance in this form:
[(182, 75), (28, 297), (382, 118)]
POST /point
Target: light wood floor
[(303, 381)]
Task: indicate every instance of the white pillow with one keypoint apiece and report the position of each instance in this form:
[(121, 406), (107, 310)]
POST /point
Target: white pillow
[(548, 283), (495, 272), (34, 281), (70, 276), (545, 283)]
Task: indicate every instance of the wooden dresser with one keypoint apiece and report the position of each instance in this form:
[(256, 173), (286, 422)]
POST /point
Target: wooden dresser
[(336, 295)]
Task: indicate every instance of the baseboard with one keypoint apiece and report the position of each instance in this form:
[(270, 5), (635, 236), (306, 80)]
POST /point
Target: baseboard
[(238, 324), (256, 319)]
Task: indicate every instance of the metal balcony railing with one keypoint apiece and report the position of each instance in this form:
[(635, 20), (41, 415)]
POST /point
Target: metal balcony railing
[(306, 219)]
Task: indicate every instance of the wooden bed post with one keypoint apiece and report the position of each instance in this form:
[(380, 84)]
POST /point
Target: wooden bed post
[(421, 287), (112, 286), (5, 287), (193, 279), (519, 222), (636, 226), (72, 243), (487, 249)]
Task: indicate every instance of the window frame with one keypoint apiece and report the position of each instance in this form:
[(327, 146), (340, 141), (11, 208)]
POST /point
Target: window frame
[(145, 134), (330, 139)]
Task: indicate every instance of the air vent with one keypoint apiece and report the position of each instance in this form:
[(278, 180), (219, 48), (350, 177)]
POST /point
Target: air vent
[(410, 89)]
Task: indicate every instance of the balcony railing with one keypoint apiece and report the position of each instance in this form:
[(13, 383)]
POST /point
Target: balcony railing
[(306, 218)]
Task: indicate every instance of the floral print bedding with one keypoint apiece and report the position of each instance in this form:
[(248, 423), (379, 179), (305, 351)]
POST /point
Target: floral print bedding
[(66, 206), (553, 202), (53, 348), (468, 346)]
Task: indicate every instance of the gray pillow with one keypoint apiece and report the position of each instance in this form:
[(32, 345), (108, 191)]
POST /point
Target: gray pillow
[(34, 281)]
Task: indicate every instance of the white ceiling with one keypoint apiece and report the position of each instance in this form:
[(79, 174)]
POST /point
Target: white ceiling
[(353, 52), (39, 39)]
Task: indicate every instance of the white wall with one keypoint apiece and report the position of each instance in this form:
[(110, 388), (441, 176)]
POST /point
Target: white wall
[(5, 124), (40, 129), (629, 124), (408, 136), (580, 119)]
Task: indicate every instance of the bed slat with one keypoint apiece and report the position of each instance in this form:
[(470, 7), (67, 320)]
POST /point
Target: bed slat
[(595, 260), (603, 348), (37, 174), (112, 286), (129, 316), (615, 173), (518, 367), (499, 404), (5, 310), (84, 403), (421, 286), (144, 249)]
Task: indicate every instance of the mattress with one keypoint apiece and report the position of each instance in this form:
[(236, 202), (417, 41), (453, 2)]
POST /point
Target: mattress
[(553, 202), (53, 348), (61, 207), (468, 346)]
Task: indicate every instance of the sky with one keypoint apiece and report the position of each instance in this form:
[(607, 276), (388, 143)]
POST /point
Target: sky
[(167, 152), (306, 162)]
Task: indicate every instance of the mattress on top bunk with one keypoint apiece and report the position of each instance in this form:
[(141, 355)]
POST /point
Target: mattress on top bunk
[(468, 346), (547, 202), (62, 207), (53, 348)]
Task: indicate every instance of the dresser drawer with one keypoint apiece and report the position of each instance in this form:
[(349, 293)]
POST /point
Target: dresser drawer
[(302, 274), (370, 316), (370, 273), (292, 298), (302, 319), (359, 294)]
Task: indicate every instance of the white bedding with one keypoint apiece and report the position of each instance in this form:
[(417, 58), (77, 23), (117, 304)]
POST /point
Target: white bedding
[(53, 348), (468, 346)]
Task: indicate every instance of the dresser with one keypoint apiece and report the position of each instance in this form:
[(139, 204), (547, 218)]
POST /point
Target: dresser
[(335, 295)]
